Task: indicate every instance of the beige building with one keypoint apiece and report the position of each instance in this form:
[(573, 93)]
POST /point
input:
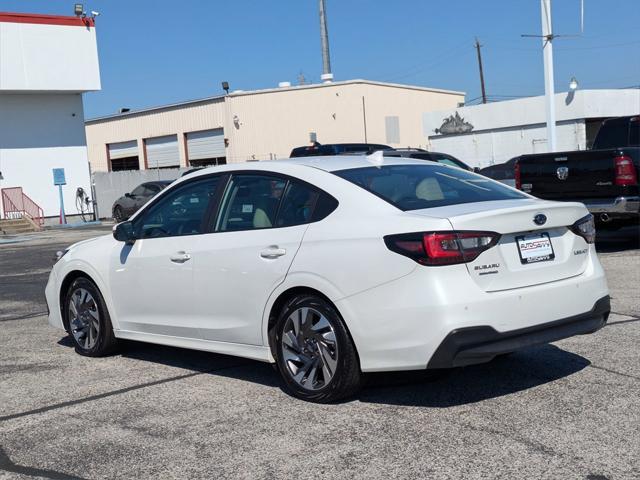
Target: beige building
[(263, 124)]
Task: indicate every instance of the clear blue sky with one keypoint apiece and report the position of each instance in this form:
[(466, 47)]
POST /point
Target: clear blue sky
[(162, 51)]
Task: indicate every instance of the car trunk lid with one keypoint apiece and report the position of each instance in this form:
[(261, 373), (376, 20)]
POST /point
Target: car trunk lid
[(513, 262)]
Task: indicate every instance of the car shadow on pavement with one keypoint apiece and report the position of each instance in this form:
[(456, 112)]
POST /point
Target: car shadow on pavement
[(504, 375), (196, 361), (609, 241)]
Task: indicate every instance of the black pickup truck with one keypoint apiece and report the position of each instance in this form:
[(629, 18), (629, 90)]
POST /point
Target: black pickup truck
[(604, 178)]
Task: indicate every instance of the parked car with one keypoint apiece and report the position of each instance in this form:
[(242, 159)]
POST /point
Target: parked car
[(130, 203), (330, 267), (420, 154), (604, 178), (337, 149), (502, 172)]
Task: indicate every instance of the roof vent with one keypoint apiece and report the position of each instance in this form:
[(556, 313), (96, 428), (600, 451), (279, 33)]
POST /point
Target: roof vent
[(284, 84)]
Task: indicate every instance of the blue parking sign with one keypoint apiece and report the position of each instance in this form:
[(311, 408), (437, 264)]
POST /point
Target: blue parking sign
[(58, 176)]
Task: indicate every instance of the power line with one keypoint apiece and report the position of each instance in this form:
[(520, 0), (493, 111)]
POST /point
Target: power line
[(599, 47), (422, 66)]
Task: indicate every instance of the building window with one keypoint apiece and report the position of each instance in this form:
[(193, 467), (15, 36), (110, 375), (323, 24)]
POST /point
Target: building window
[(207, 162), (123, 156), (392, 129), (126, 163)]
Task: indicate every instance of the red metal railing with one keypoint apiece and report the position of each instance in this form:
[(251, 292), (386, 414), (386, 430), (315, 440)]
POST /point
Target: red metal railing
[(16, 204)]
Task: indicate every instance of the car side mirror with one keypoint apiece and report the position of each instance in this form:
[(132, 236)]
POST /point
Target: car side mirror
[(128, 195), (123, 232), (476, 169)]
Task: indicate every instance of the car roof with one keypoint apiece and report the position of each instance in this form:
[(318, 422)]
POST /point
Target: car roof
[(159, 182), (329, 163), (334, 163)]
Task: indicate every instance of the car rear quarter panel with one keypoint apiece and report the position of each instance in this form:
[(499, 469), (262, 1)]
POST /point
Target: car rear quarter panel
[(345, 254)]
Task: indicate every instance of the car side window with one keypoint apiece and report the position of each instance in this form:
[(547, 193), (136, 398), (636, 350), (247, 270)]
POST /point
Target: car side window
[(250, 202), (298, 204), (151, 190), (138, 191), (446, 161), (180, 212)]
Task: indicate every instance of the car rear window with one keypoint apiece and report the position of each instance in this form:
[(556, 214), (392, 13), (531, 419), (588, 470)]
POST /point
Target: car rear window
[(413, 187)]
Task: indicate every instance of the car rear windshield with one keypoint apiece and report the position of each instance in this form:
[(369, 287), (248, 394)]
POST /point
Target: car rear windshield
[(413, 187)]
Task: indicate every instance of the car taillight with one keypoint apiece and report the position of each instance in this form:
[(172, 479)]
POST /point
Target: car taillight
[(625, 171), (442, 248), (516, 175), (585, 228)]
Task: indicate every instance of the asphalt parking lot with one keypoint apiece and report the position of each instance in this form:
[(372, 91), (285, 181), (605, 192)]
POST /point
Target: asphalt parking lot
[(569, 410)]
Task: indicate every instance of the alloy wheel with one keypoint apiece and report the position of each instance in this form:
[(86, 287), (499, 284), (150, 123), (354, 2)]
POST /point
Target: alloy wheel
[(84, 318), (309, 348), (117, 214)]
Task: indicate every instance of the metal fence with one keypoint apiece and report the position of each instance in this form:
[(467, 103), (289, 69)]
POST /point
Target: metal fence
[(109, 186)]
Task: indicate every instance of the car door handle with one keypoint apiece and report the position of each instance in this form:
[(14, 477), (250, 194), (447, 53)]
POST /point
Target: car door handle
[(180, 257), (273, 252)]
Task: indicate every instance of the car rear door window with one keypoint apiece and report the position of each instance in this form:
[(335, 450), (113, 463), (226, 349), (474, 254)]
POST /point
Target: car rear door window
[(180, 212), (256, 201), (250, 202), (298, 204), (414, 187)]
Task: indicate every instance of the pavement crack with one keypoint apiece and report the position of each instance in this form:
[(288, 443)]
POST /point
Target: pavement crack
[(120, 391), (23, 317), (531, 444), (614, 372), (8, 466)]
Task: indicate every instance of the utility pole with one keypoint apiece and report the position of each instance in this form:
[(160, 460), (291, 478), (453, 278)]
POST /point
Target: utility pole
[(549, 89), (484, 95), (326, 76), (547, 52)]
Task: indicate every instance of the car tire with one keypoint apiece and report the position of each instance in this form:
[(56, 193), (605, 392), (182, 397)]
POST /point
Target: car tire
[(118, 215), (314, 352), (87, 317)]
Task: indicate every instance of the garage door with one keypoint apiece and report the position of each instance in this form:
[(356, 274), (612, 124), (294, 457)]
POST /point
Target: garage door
[(123, 150), (205, 144), (162, 152)]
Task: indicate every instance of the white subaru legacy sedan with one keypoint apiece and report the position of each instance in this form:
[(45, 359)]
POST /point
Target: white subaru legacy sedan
[(334, 266)]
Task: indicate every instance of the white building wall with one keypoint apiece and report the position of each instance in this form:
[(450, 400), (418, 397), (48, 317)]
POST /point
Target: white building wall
[(40, 57), (484, 148), (503, 130), (39, 133)]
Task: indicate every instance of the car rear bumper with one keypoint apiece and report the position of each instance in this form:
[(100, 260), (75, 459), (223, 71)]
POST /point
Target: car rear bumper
[(472, 345), (401, 325), (614, 206)]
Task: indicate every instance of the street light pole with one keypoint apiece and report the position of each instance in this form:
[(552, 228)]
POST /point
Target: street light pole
[(549, 91)]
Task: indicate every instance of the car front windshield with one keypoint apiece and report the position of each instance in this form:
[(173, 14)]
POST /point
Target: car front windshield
[(414, 187)]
